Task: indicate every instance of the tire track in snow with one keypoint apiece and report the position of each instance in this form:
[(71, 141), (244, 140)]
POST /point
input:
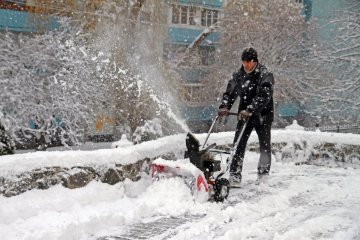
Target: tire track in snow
[(162, 228)]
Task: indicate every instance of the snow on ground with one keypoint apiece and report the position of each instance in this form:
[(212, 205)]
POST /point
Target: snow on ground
[(297, 202)]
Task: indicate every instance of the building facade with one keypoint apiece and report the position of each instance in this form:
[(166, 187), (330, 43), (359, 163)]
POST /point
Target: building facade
[(191, 25)]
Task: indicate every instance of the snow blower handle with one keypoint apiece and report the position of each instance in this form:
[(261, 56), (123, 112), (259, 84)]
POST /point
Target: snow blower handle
[(213, 124), (241, 133)]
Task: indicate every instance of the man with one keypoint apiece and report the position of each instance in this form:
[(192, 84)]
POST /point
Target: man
[(253, 83)]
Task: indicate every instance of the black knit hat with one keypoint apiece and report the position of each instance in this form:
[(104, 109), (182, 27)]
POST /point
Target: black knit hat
[(249, 54)]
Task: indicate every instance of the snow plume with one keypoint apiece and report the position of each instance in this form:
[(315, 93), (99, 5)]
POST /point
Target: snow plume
[(142, 87), (170, 113)]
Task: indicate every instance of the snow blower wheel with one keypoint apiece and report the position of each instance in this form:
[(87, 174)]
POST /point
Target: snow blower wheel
[(221, 189)]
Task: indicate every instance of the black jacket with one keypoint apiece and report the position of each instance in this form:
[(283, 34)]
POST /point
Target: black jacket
[(255, 91)]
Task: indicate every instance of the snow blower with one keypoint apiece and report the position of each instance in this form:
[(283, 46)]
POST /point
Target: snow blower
[(207, 173)]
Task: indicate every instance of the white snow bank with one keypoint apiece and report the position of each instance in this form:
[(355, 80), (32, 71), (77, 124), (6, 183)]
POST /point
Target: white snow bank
[(18, 163)]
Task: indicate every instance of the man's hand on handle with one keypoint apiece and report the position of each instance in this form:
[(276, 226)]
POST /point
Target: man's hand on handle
[(223, 112), (244, 115)]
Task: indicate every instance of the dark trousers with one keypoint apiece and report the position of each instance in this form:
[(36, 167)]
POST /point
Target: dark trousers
[(264, 135)]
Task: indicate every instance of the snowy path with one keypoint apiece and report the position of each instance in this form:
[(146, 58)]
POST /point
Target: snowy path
[(298, 202)]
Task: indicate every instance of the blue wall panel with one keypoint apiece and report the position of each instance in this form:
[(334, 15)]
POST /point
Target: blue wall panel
[(203, 3), (307, 10), (23, 22), (187, 36), (288, 110), (202, 113)]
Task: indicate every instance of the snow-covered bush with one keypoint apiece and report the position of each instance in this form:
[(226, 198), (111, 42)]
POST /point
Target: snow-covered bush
[(7, 145), (49, 74), (149, 131)]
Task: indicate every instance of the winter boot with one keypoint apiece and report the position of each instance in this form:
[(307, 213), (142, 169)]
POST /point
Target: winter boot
[(262, 176), (235, 180)]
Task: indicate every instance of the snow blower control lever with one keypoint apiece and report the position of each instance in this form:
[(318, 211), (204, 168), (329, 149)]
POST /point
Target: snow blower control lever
[(213, 124)]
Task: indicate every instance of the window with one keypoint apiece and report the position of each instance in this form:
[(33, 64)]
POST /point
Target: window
[(186, 15), (299, 1), (192, 12), (215, 16), (175, 14), (208, 17), (183, 15)]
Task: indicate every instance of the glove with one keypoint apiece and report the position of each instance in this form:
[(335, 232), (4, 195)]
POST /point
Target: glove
[(222, 112), (244, 115)]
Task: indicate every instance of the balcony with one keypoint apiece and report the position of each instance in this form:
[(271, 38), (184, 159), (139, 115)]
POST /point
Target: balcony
[(186, 36), (21, 21)]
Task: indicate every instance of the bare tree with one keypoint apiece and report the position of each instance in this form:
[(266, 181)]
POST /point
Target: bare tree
[(280, 35), (321, 77), (338, 70)]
